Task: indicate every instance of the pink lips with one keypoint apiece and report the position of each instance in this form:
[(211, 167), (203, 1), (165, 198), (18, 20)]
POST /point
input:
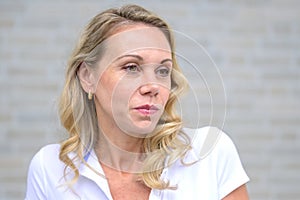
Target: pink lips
[(147, 109)]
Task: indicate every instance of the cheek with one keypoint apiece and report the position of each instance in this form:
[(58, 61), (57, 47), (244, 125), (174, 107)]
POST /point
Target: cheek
[(120, 95), (123, 89), (105, 88), (165, 94)]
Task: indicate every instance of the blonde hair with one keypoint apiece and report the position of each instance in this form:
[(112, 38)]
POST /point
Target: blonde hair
[(78, 114)]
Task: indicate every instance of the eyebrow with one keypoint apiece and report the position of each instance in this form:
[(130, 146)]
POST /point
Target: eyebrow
[(141, 58)]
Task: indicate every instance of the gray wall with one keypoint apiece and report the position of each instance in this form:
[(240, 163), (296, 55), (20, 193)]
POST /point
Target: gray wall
[(255, 45)]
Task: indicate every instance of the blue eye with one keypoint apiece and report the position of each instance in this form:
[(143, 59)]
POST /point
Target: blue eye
[(132, 68), (163, 71)]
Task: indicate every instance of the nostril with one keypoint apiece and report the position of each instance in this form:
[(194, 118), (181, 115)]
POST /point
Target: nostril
[(149, 89)]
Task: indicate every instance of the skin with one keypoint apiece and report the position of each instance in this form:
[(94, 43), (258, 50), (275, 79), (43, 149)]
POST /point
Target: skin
[(134, 71), (238, 194)]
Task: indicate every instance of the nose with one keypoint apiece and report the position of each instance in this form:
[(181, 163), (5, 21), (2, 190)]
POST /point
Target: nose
[(151, 89)]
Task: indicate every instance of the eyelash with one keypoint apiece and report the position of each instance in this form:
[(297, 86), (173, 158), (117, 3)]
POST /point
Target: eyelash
[(130, 66), (162, 70)]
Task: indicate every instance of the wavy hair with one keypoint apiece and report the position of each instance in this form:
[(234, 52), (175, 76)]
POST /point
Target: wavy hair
[(78, 114)]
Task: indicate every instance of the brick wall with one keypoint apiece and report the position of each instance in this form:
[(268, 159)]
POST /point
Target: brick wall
[(255, 45)]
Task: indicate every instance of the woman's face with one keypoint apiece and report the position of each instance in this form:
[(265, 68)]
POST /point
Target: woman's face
[(134, 80)]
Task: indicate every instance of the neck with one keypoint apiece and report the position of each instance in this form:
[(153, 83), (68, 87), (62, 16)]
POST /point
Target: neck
[(122, 153)]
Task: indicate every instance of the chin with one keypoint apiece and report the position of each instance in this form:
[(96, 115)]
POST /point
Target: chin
[(141, 129)]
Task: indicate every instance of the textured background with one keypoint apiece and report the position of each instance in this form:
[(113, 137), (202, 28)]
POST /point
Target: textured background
[(255, 45)]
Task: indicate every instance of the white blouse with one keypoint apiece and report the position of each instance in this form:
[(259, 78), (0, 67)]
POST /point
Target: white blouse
[(216, 172)]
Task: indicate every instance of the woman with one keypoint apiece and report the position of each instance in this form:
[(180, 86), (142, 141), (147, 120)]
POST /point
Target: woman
[(125, 139)]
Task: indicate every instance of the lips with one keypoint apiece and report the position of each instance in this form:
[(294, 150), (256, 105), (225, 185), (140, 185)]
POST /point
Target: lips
[(147, 109)]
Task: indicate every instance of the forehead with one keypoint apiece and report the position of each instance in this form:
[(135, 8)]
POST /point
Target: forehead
[(133, 38)]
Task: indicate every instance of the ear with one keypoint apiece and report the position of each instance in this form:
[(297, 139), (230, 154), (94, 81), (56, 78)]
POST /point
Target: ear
[(86, 78)]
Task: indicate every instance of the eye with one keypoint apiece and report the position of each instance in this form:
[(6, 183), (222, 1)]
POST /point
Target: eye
[(163, 71), (131, 68)]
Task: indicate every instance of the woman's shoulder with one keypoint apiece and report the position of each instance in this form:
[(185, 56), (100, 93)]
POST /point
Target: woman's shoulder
[(46, 156), (209, 139), (212, 164), (51, 150), (45, 172)]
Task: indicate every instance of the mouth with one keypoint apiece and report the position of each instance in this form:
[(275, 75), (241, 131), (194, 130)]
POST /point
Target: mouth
[(147, 109)]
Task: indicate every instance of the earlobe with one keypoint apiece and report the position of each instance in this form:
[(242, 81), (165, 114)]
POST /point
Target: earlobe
[(86, 77)]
